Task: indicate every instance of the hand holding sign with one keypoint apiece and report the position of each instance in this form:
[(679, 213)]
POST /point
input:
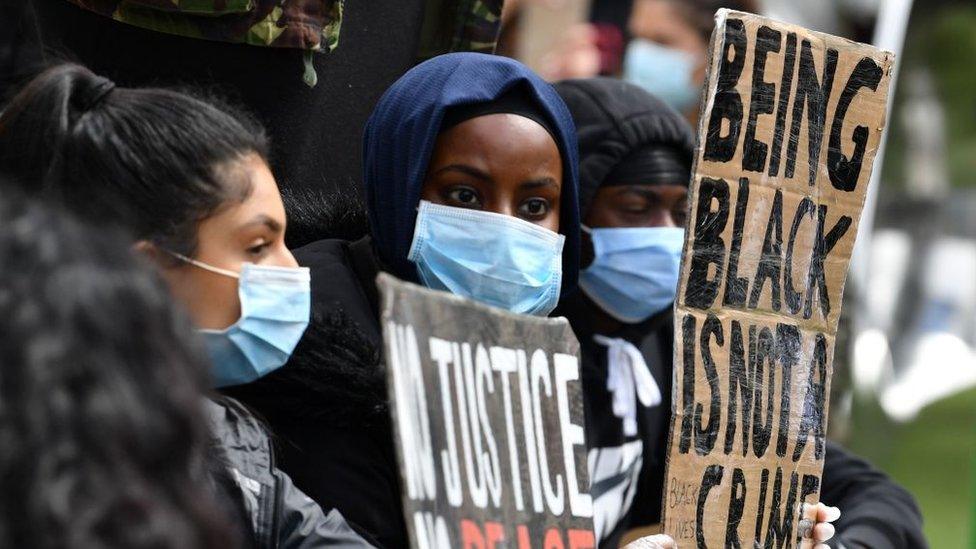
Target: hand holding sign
[(815, 533), (815, 527), (652, 542), (790, 124)]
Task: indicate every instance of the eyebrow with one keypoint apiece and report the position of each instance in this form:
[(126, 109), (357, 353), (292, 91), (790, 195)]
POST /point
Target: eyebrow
[(483, 176), (642, 192), (465, 169), (263, 220), (539, 183)]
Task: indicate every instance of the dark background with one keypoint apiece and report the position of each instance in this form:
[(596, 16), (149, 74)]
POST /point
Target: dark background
[(315, 132)]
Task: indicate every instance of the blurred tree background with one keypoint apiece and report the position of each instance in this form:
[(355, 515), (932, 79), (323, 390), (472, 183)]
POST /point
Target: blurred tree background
[(929, 192), (941, 40)]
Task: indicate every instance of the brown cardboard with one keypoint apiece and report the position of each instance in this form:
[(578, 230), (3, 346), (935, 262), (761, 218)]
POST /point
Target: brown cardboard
[(761, 212), (542, 29), (487, 411)]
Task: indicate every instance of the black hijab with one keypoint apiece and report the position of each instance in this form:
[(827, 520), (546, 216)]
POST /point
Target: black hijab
[(626, 136)]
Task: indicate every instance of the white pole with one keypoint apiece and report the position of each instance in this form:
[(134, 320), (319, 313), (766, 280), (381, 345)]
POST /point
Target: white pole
[(889, 34)]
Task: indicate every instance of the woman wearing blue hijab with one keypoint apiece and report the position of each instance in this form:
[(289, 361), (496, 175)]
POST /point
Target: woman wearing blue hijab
[(471, 184)]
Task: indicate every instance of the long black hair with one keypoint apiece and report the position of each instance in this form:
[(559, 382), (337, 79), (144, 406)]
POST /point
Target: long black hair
[(153, 161), (103, 438)]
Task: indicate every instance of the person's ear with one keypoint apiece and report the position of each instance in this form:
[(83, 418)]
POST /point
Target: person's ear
[(151, 252)]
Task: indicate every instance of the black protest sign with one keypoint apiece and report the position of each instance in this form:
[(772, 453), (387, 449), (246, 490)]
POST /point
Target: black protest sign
[(789, 126), (488, 418)]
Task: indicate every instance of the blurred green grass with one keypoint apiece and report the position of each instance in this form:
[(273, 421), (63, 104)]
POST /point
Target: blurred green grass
[(933, 456)]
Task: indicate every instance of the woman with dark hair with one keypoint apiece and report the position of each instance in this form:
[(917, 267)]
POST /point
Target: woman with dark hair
[(635, 165), (103, 434), (190, 183), (470, 173)]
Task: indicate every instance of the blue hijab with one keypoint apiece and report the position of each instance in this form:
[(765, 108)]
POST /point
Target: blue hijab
[(403, 128)]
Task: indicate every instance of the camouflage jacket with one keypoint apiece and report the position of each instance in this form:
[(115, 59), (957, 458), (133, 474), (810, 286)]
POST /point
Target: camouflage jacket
[(311, 25), (460, 25)]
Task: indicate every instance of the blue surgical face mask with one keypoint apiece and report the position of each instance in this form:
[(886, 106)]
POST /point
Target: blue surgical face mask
[(275, 309), (662, 71), (496, 259), (635, 271)]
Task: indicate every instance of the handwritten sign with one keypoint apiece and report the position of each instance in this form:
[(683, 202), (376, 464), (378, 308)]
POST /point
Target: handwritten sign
[(488, 416), (790, 123)]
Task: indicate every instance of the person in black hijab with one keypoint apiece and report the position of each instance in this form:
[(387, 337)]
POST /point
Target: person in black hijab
[(635, 164)]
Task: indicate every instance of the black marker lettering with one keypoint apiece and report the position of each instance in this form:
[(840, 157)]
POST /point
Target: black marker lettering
[(762, 429), (711, 478), (735, 287), (844, 173), (763, 484), (794, 301), (785, 90), (727, 104), (688, 381), (780, 530), (741, 381), (817, 279), (770, 263), (754, 152), (788, 343), (705, 435), (812, 418), (815, 94), (737, 503), (708, 247)]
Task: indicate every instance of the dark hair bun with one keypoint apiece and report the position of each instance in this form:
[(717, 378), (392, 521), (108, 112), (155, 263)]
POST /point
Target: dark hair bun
[(147, 160)]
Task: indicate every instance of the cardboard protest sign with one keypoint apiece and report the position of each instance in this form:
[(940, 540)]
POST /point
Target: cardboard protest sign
[(790, 123), (488, 419)]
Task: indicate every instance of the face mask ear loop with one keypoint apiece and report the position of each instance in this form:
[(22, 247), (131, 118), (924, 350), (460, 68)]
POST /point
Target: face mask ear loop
[(204, 266), (587, 248)]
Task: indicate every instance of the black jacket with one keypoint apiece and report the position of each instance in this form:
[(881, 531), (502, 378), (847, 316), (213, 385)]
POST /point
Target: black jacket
[(20, 54), (327, 406), (876, 512), (280, 516), (328, 409)]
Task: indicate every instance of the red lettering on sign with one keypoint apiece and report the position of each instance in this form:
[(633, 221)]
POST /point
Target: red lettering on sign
[(471, 536), (581, 539), (554, 539), (494, 533)]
